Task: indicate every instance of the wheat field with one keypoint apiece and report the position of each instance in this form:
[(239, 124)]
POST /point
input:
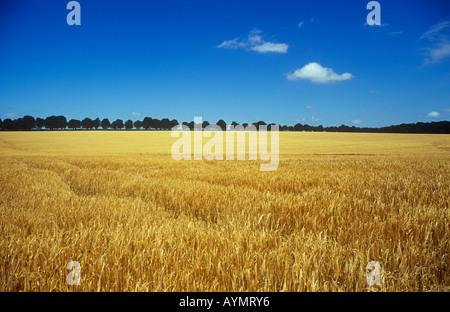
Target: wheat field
[(137, 220)]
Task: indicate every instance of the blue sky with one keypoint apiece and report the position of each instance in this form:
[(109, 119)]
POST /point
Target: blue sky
[(313, 62)]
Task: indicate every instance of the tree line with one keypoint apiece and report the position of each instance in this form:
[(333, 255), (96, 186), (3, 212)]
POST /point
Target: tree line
[(28, 123)]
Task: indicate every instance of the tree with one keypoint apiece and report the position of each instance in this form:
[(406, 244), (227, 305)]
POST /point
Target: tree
[(298, 127), (155, 124), (55, 122), (28, 123), (50, 122), (173, 123), (307, 127), (17, 124), (129, 124), (87, 123), (105, 123), (7, 124), (165, 123), (205, 124), (74, 124), (138, 124), (258, 124), (61, 122), (40, 123), (189, 125), (222, 124), (96, 123), (147, 122), (343, 128), (117, 124), (1, 124), (23, 124)]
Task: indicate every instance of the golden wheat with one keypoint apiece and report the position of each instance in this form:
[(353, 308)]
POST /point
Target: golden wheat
[(137, 220)]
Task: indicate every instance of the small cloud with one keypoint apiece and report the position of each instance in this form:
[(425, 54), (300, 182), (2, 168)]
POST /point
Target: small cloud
[(435, 31), (271, 47), (309, 107), (11, 115), (231, 44), (439, 37), (446, 110), (255, 36), (356, 122), (374, 91), (314, 72), (137, 115), (394, 33), (313, 118), (255, 31), (300, 24), (438, 53), (255, 39), (433, 115), (255, 42)]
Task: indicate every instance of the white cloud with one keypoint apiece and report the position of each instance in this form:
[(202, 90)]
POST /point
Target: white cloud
[(255, 42), (439, 37), (309, 107), (134, 114), (255, 31), (11, 115), (300, 24), (271, 47), (433, 115), (435, 31), (357, 122), (447, 110), (230, 44), (313, 118), (393, 33), (314, 72), (438, 53), (255, 36)]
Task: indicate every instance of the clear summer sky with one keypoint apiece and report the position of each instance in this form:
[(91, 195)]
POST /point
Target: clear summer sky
[(313, 62)]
